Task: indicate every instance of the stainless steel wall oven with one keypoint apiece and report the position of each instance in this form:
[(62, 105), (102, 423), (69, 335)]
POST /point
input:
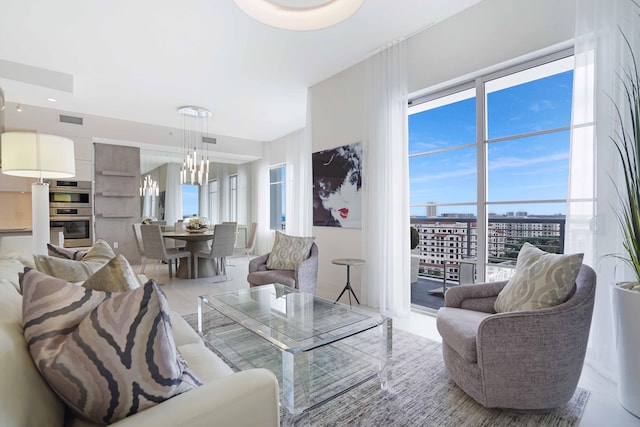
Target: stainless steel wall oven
[(71, 209)]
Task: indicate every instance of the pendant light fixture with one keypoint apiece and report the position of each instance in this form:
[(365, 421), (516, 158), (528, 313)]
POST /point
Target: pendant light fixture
[(149, 187), (195, 167)]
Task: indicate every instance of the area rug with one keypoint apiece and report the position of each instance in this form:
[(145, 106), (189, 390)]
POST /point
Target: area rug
[(420, 393)]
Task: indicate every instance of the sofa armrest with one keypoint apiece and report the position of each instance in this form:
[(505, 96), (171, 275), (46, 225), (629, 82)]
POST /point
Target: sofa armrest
[(243, 399), (479, 297), (257, 262)]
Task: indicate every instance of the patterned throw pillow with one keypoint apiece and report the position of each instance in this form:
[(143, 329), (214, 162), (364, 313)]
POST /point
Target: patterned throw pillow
[(541, 280), (66, 269), (106, 355), (76, 271), (66, 253), (115, 276), (288, 251)]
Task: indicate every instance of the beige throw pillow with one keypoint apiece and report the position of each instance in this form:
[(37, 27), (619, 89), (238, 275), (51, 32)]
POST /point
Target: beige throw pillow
[(288, 251), (107, 356), (66, 269), (100, 251), (115, 276), (541, 280), (76, 271)]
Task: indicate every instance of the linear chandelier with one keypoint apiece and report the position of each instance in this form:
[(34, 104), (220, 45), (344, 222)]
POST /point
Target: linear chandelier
[(299, 15), (149, 187), (195, 168)]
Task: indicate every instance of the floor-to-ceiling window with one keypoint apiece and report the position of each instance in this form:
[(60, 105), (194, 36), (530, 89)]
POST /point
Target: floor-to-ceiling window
[(489, 168), (190, 200), (277, 198)]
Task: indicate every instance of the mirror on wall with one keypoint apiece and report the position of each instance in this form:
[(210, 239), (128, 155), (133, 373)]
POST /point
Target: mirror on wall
[(164, 198)]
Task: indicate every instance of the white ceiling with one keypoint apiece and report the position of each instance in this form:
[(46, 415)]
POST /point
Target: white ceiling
[(140, 60)]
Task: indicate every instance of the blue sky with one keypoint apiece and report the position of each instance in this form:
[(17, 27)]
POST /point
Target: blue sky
[(532, 168)]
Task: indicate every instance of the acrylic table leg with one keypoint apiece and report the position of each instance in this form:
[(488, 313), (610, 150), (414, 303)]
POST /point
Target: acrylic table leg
[(385, 352)]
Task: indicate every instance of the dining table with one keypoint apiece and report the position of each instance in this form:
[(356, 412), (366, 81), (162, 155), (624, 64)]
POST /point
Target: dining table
[(195, 241)]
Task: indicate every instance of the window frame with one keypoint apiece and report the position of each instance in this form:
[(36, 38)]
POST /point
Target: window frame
[(482, 143)]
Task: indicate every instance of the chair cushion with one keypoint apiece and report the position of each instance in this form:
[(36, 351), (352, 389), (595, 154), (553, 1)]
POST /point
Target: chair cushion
[(541, 280), (459, 328), (115, 276), (288, 251), (284, 277), (106, 355)]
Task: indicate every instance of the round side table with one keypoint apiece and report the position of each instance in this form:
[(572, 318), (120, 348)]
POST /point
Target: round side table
[(348, 262)]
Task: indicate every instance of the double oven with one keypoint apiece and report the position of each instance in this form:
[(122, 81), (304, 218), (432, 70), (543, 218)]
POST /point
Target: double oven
[(71, 210)]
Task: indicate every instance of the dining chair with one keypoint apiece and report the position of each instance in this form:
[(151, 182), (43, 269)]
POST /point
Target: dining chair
[(154, 248), (138, 235), (224, 240), (251, 240)]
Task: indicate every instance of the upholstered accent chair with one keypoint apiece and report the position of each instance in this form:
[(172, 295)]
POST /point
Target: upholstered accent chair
[(304, 277), (527, 360)]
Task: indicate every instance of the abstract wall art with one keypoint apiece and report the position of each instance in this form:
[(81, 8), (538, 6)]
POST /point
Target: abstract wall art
[(337, 184)]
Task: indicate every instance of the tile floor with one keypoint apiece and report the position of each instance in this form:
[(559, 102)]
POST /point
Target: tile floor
[(602, 408)]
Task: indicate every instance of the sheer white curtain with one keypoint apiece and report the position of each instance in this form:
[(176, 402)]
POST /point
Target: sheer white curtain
[(261, 206), (298, 184), (173, 194), (591, 221), (385, 230)]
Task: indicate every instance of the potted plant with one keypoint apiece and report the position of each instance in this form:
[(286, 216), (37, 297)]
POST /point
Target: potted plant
[(415, 254), (626, 295)]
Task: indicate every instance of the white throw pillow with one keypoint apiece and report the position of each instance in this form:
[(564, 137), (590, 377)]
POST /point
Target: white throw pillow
[(541, 280), (288, 251)]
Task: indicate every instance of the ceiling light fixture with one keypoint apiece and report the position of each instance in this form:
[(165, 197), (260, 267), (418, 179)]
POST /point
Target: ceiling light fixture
[(194, 127), (299, 15)]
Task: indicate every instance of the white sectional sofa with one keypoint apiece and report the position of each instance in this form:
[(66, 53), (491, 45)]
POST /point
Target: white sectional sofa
[(248, 398)]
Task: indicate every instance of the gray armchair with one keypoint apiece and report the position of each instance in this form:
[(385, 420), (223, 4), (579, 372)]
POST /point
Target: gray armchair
[(304, 277), (523, 360)]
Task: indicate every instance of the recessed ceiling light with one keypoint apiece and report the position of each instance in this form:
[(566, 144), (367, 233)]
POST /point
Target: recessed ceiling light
[(299, 15), (52, 99)]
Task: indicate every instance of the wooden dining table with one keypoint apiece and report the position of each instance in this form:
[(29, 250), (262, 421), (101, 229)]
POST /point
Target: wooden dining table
[(195, 242)]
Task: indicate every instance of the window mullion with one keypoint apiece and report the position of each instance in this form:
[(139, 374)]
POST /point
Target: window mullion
[(481, 167)]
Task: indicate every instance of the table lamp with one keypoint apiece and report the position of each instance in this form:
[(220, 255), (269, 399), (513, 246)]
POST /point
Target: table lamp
[(41, 156)]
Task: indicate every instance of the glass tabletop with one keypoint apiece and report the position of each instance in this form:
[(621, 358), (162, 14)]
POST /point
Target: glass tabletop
[(292, 321)]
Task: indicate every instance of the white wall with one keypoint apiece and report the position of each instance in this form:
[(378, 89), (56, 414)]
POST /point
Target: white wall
[(488, 33)]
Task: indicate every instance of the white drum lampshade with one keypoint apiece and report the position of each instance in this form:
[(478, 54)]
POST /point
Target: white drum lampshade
[(37, 155), (41, 156)]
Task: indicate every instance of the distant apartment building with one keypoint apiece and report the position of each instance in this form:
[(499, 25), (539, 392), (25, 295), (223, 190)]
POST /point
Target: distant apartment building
[(449, 243)]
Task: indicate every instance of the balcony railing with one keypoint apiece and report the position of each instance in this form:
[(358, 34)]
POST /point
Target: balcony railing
[(448, 245)]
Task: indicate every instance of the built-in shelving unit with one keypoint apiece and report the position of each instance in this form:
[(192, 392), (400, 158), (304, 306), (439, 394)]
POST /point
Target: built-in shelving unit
[(117, 196)]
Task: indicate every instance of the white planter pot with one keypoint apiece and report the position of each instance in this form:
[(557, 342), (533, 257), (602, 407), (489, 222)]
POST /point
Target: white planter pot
[(626, 312)]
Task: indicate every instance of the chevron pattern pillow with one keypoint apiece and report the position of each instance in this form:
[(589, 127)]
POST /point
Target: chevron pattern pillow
[(541, 280), (107, 355), (65, 253), (288, 251)]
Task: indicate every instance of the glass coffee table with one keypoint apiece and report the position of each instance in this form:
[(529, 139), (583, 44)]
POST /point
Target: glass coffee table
[(318, 349)]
